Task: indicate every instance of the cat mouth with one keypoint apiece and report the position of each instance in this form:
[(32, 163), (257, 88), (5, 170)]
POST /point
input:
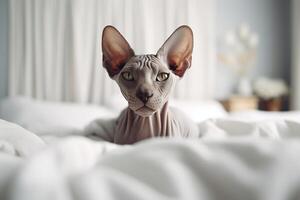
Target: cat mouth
[(145, 109)]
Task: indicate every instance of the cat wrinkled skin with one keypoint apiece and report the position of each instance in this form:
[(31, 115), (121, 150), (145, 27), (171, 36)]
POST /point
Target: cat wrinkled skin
[(146, 82)]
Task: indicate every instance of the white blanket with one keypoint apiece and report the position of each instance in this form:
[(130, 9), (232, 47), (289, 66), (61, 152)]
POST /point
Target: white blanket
[(233, 160), (16, 140)]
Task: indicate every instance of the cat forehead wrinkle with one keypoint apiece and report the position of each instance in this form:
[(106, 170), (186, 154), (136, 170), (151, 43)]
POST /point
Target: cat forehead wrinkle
[(144, 61)]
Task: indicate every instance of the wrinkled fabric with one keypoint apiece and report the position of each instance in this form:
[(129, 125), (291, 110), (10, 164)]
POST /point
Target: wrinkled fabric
[(183, 169), (232, 160)]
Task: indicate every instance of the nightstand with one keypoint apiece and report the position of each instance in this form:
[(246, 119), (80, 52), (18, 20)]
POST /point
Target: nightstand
[(240, 103)]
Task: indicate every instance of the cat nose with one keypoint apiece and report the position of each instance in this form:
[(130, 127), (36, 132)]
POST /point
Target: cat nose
[(144, 95)]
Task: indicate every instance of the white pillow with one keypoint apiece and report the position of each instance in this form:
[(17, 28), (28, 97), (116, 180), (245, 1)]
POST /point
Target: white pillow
[(199, 111), (235, 128), (255, 115), (117, 103), (49, 118)]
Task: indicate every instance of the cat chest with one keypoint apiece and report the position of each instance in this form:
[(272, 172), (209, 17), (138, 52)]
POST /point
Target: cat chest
[(130, 129)]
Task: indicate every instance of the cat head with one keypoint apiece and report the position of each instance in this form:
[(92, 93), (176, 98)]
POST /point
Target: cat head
[(147, 80)]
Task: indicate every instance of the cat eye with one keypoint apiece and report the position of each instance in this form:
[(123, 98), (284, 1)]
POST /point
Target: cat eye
[(162, 76), (127, 76)]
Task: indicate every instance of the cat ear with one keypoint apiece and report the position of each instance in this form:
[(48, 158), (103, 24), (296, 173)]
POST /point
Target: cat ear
[(116, 50), (177, 50)]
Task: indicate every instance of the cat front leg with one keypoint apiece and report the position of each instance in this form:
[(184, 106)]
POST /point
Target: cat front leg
[(101, 129)]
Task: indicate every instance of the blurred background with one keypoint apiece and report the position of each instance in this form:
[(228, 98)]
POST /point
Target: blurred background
[(246, 52)]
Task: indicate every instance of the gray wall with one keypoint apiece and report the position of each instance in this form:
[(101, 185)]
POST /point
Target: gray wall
[(271, 20), (295, 92), (3, 47)]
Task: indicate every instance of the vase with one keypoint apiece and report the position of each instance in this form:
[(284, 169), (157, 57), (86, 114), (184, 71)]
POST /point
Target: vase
[(244, 87)]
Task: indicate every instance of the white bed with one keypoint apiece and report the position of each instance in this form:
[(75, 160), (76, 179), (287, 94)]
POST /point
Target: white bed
[(234, 159)]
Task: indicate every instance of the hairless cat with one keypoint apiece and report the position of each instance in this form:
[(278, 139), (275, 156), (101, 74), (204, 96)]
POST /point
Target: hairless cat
[(146, 82)]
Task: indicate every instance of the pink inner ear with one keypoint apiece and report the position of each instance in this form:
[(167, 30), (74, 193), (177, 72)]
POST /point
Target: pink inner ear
[(114, 65), (177, 50), (179, 63), (116, 50)]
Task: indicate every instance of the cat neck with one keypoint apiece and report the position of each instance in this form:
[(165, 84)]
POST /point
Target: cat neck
[(132, 127)]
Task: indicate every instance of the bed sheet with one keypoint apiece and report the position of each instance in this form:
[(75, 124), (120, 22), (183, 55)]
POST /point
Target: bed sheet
[(233, 160)]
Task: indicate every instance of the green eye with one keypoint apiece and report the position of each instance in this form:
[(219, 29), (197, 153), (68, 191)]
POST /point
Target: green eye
[(162, 76), (127, 76)]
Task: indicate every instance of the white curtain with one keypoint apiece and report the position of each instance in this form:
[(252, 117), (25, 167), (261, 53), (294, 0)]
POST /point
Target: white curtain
[(55, 45), (296, 55)]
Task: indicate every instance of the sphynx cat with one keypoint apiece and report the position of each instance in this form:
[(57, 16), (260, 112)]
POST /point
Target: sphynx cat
[(146, 82)]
